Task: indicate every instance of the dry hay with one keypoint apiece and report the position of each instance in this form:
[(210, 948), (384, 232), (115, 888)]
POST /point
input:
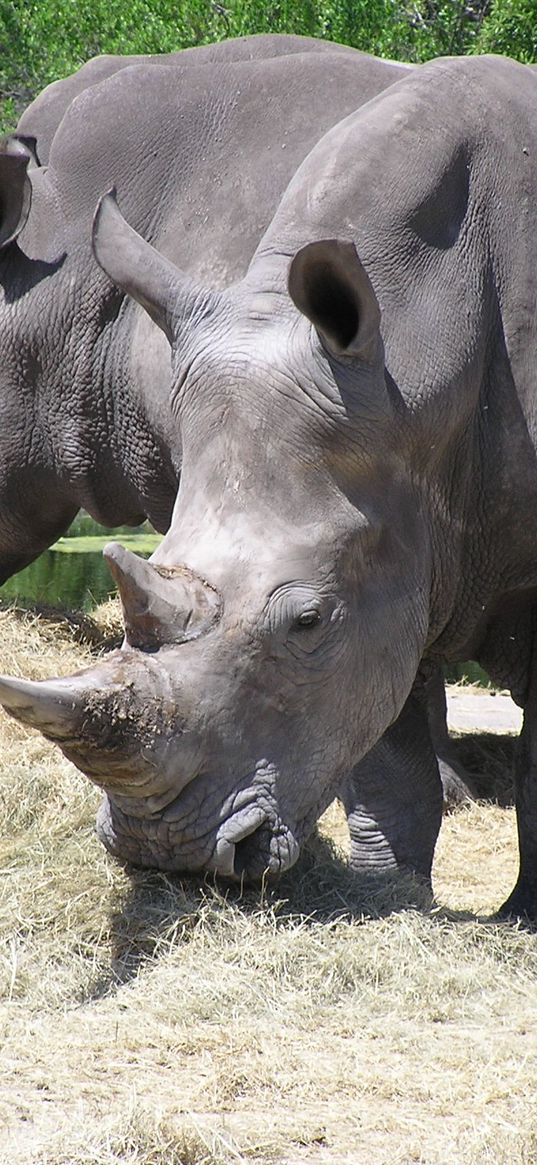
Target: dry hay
[(102, 630), (153, 1021)]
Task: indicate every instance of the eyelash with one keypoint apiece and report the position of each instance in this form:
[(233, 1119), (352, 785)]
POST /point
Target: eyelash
[(306, 621)]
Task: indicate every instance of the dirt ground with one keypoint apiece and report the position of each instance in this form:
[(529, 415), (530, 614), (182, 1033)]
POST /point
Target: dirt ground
[(482, 711)]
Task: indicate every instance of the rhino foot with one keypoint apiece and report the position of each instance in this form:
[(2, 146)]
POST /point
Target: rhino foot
[(521, 905), (457, 785)]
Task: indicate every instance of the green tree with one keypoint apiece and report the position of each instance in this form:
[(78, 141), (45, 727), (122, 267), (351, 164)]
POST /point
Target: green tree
[(41, 40), (511, 28)]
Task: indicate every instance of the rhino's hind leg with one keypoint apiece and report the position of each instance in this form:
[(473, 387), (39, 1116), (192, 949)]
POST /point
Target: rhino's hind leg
[(522, 902), (457, 784), (393, 798)]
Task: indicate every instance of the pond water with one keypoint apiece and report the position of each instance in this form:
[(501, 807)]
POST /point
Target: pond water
[(72, 575)]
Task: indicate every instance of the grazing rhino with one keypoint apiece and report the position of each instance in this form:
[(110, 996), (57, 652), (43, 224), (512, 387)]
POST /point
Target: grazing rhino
[(39, 124), (345, 513), (203, 153)]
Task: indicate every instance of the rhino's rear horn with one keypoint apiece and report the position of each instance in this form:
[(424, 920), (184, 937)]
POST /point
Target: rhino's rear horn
[(160, 604), (167, 294)]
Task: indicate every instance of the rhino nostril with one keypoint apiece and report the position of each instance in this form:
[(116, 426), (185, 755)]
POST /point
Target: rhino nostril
[(232, 837), (247, 852)]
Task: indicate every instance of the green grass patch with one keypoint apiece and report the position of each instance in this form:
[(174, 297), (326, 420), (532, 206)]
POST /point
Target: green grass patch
[(93, 544)]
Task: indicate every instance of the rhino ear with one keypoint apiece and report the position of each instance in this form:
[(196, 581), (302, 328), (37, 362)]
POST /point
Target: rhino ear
[(138, 269), (30, 144), (329, 285), (15, 190)]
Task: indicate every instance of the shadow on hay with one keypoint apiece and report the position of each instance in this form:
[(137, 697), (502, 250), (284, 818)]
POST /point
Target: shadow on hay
[(489, 758), (161, 911)]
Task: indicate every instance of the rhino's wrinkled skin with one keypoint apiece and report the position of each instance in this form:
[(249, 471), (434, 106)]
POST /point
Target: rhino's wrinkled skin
[(358, 425), (202, 148)]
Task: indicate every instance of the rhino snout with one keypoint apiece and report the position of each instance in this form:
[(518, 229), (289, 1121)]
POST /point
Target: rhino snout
[(186, 836)]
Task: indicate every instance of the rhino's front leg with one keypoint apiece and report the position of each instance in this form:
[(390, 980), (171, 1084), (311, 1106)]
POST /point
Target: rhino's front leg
[(393, 797)]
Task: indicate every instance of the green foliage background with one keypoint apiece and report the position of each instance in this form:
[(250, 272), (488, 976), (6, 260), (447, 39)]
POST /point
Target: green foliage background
[(41, 40)]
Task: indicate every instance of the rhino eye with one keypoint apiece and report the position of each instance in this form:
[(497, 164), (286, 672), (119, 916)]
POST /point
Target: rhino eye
[(306, 621)]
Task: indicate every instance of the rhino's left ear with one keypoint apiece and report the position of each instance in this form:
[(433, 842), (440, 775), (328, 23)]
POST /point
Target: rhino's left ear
[(15, 190), (167, 294), (329, 285)]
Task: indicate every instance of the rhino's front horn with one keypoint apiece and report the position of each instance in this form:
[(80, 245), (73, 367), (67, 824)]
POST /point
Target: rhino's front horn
[(53, 706), (112, 720), (161, 604)]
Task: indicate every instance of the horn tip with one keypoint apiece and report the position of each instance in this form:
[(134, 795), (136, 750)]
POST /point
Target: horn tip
[(14, 693), (106, 205), (113, 551)]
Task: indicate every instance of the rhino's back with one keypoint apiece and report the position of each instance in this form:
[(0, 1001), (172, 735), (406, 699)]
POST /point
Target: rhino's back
[(434, 180), (42, 118), (478, 103), (200, 156)]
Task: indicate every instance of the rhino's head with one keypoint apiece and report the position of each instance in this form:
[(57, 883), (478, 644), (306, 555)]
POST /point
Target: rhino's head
[(277, 630)]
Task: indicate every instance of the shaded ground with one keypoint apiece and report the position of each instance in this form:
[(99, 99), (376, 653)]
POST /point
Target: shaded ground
[(484, 728)]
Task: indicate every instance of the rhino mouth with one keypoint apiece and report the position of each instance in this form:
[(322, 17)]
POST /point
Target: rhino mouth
[(240, 842), (249, 846), (250, 843)]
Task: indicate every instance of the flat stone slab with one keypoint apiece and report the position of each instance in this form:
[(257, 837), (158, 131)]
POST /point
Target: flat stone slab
[(482, 713)]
